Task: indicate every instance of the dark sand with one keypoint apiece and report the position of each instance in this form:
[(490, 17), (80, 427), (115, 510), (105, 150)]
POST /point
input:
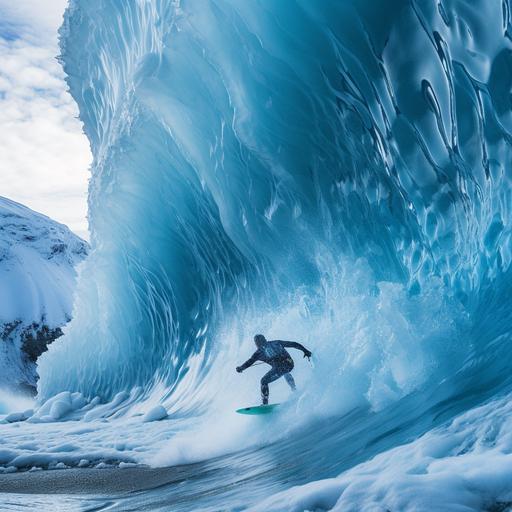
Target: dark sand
[(92, 481)]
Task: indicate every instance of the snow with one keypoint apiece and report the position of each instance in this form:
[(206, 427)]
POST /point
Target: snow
[(38, 260), (19, 416), (57, 435), (156, 414), (124, 432), (58, 407), (126, 465)]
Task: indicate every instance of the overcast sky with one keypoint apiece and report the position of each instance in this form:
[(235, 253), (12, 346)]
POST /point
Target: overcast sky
[(44, 157)]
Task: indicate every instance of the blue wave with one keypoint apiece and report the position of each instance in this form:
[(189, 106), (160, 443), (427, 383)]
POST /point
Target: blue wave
[(331, 171)]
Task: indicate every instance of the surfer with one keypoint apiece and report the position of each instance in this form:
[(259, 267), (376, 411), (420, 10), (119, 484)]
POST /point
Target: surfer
[(275, 354)]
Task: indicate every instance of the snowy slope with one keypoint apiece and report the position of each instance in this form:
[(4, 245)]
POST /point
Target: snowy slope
[(38, 257)]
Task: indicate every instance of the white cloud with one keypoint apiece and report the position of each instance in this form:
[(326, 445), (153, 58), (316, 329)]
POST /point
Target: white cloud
[(42, 16), (44, 157)]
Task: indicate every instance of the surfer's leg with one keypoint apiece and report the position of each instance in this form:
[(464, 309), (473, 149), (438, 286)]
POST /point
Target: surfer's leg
[(269, 377), (264, 393), (291, 382)]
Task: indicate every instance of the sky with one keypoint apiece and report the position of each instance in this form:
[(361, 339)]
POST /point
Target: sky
[(44, 156)]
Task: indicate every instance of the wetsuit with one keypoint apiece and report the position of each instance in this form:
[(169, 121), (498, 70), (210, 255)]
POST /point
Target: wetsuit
[(275, 354)]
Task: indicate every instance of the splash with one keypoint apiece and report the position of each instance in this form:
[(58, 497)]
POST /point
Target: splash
[(238, 157)]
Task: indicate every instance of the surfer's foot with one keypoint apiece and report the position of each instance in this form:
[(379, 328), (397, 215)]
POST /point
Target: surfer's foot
[(264, 401)]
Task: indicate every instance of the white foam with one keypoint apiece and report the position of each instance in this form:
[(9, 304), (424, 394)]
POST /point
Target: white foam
[(375, 343), (465, 465)]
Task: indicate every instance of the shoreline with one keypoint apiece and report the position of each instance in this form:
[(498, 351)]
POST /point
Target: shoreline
[(85, 481)]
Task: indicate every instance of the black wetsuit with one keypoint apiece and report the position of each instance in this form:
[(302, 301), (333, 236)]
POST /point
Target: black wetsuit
[(275, 354)]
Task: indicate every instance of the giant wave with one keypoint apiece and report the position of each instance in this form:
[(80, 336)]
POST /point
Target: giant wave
[(335, 172)]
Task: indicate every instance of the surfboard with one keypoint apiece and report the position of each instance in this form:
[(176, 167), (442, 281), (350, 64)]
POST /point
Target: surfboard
[(257, 409)]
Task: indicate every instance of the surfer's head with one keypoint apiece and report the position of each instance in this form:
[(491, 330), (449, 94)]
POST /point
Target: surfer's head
[(260, 340)]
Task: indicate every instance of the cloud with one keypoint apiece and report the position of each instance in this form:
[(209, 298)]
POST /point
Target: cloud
[(44, 156), (43, 17)]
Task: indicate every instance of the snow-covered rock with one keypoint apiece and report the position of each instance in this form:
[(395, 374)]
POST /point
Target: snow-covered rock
[(14, 417), (156, 414), (38, 259)]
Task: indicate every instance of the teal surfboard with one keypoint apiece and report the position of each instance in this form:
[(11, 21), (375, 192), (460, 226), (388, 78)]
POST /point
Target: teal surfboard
[(257, 409)]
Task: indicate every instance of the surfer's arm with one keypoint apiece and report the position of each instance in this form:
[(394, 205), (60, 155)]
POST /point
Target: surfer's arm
[(298, 346), (248, 363)]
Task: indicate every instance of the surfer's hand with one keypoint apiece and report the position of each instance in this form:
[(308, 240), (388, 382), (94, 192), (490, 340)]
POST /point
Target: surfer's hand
[(307, 354), (239, 369)]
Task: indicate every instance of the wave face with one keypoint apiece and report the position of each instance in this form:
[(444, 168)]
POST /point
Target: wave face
[(335, 172)]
